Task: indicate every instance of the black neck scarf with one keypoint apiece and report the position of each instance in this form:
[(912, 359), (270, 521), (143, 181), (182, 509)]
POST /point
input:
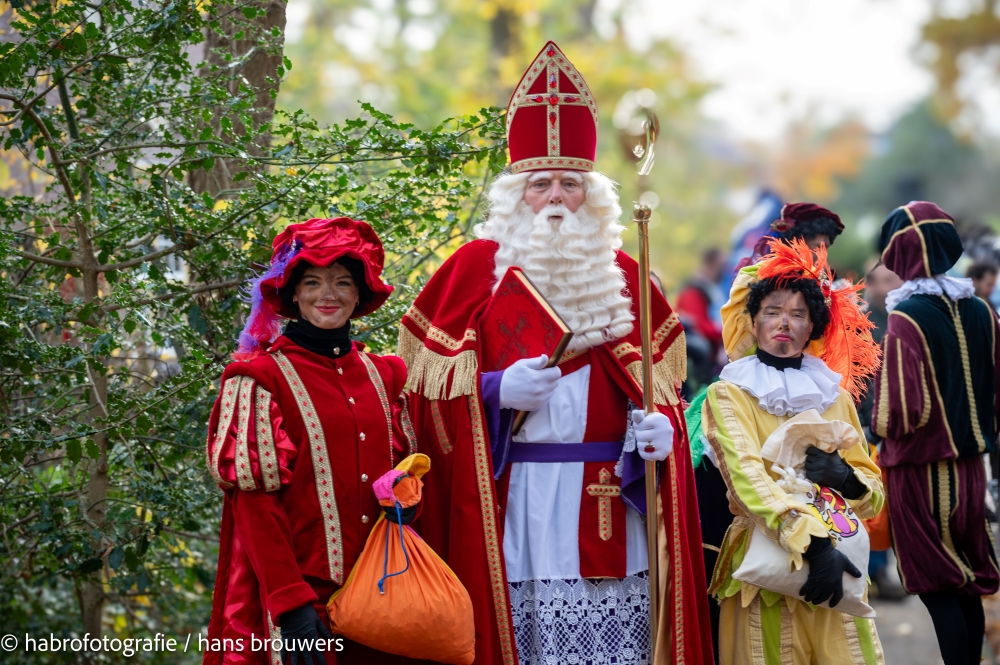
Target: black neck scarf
[(327, 342), (780, 364)]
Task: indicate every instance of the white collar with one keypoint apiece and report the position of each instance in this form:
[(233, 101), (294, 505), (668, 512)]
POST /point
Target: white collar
[(955, 288), (780, 393)]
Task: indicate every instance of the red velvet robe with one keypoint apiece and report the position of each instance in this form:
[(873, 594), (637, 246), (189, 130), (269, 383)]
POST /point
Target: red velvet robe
[(296, 516), (463, 517)]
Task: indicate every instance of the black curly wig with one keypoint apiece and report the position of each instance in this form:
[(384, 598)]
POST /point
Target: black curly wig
[(819, 313), (811, 228), (354, 266)]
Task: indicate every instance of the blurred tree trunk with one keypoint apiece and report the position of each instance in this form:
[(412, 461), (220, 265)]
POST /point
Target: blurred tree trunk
[(260, 72)]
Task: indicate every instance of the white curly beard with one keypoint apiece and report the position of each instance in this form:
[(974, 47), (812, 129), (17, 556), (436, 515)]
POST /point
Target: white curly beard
[(571, 262)]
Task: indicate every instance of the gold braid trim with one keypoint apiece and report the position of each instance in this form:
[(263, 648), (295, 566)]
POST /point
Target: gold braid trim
[(668, 373), (429, 371)]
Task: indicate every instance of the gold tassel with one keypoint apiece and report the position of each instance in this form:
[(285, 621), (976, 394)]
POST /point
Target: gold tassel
[(428, 372)]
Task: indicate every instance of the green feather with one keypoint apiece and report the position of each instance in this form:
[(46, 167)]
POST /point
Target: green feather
[(692, 416)]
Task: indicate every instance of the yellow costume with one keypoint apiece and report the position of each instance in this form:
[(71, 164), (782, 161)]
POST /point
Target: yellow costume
[(757, 626)]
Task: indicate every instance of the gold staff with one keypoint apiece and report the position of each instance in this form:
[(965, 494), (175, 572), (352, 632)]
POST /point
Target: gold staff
[(640, 215)]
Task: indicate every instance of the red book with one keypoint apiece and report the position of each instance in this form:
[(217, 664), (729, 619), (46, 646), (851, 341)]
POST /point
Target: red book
[(520, 323)]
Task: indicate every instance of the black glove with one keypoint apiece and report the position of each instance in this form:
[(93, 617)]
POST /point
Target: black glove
[(830, 470), (302, 623), (826, 572)]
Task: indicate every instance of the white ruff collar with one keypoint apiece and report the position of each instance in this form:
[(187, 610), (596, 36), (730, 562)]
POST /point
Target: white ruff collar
[(780, 393), (955, 288)]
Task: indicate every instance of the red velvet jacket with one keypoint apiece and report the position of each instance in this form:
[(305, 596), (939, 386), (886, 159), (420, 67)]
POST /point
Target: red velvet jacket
[(296, 440), (462, 517)]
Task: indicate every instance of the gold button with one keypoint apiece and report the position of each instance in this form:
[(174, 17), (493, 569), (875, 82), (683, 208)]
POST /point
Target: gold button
[(340, 370), (364, 519), (362, 436), (351, 400), (364, 477)]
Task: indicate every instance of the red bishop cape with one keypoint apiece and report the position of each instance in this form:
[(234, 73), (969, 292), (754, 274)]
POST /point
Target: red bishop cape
[(462, 517)]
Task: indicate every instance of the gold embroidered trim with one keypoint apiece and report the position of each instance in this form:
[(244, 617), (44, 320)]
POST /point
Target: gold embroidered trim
[(435, 334), (439, 428), (408, 431), (572, 163), (853, 638), (937, 389), (429, 372), (267, 454), (678, 572), (963, 349), (925, 414), (244, 472), (230, 391), (944, 473), (275, 634), (664, 330), (604, 491), (321, 467), (879, 656), (882, 414), (902, 387), (383, 397), (668, 373), (494, 552), (757, 653)]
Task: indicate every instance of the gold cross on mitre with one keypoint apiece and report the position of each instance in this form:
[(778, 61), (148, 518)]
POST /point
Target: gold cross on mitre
[(604, 490), (554, 83)]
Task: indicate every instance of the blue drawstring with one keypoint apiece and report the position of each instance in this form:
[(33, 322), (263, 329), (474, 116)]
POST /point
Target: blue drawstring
[(385, 563)]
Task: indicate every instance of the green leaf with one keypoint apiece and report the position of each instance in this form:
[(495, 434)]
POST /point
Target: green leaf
[(288, 63), (116, 557), (73, 450), (93, 452), (128, 325)]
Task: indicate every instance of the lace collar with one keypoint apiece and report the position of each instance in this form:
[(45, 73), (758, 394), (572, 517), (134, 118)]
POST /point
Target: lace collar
[(788, 391)]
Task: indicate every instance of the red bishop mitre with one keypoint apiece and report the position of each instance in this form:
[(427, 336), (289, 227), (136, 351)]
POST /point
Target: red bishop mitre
[(552, 117)]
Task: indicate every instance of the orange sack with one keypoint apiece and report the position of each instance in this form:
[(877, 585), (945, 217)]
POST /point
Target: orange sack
[(400, 597)]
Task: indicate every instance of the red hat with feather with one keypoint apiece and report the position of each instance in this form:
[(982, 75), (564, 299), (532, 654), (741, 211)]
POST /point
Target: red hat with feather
[(552, 117)]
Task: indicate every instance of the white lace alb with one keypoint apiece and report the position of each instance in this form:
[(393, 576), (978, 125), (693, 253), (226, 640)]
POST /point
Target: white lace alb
[(781, 392), (582, 621), (955, 288)]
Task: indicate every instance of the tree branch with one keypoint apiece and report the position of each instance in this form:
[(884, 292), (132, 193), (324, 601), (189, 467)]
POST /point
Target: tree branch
[(168, 296), (51, 262)]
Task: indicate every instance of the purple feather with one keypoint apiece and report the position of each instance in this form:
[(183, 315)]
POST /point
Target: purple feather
[(263, 326)]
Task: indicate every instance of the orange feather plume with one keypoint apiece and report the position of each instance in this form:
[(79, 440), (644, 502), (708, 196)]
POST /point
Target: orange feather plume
[(849, 348)]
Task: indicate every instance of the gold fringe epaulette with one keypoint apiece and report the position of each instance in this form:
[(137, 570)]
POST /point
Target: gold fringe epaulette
[(668, 373), (430, 373)]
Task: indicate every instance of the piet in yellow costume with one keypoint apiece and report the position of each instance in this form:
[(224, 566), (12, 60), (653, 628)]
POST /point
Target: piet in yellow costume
[(777, 308)]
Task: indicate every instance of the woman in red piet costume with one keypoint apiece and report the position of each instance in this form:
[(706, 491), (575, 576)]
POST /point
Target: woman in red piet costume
[(305, 421)]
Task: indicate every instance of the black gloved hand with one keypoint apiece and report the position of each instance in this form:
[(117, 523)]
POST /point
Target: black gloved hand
[(826, 572), (830, 470), (302, 623)]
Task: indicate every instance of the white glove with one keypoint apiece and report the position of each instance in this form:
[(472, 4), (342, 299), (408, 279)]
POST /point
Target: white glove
[(527, 385), (656, 431)]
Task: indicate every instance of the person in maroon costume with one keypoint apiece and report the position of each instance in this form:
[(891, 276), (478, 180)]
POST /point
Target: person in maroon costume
[(305, 421)]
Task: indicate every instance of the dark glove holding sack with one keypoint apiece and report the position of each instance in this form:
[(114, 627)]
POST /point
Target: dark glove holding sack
[(830, 470), (299, 627), (826, 573)]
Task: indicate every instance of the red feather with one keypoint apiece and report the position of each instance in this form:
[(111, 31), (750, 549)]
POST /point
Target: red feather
[(849, 348)]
